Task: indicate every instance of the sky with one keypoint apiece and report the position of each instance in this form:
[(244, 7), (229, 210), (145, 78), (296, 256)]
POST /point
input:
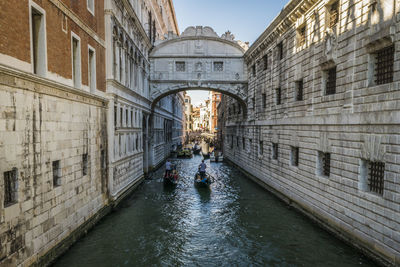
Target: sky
[(246, 19)]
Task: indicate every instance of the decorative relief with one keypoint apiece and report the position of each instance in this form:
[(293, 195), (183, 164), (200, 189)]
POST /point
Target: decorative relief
[(372, 149)]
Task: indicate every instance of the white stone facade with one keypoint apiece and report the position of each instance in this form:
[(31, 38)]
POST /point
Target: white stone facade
[(318, 148)]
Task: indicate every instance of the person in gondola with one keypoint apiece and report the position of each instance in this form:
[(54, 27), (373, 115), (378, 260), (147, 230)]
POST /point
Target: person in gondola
[(202, 170), (168, 168)]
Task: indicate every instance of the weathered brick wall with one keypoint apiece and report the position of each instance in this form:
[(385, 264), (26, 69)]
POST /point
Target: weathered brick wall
[(360, 122), (40, 123)]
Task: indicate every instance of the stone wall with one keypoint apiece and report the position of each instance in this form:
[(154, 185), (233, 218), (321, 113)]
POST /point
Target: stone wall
[(41, 123), (356, 126)]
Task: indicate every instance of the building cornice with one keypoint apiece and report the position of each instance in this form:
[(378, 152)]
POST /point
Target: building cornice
[(294, 10)]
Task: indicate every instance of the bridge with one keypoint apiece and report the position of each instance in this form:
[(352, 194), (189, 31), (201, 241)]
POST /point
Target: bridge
[(199, 59)]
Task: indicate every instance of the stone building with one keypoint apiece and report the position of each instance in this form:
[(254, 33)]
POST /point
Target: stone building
[(322, 129), (77, 119), (215, 99), (53, 107), (188, 113)]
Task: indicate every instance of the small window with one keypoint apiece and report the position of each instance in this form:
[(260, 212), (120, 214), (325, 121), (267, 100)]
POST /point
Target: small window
[(10, 187), (120, 117), (280, 50), (115, 116), (38, 43), (76, 62), (253, 99), (90, 6), (253, 70), (331, 81), (244, 142), (278, 96), (180, 66), (237, 141), (376, 174), (301, 36), (126, 118), (299, 90), (324, 162), (294, 156), (333, 14), (261, 148), (218, 66), (264, 101), (384, 65), (231, 141), (84, 164), (274, 151), (56, 173), (265, 61)]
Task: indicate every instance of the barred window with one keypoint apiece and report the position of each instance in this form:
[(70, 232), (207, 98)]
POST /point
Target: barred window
[(384, 65), (218, 66), (56, 173), (244, 142), (237, 141), (280, 50), (376, 174), (274, 151), (331, 81), (261, 148), (265, 61), (84, 164), (253, 70), (264, 100), (180, 66), (333, 14), (278, 96), (10, 187), (301, 36), (294, 156), (324, 163), (299, 90)]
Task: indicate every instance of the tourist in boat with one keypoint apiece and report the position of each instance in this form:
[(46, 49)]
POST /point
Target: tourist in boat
[(202, 170), (168, 168)]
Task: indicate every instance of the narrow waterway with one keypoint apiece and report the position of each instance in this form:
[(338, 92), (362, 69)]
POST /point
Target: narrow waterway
[(234, 223)]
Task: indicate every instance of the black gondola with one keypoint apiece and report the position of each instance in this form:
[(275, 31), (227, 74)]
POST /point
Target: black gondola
[(200, 182)]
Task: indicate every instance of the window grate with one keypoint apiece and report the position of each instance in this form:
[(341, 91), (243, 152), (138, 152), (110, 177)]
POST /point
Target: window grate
[(295, 156), (274, 150), (264, 100), (331, 81), (278, 96), (56, 173), (326, 164), (261, 148), (280, 50), (253, 70), (384, 65), (218, 66), (10, 187), (376, 173), (302, 36), (265, 61), (334, 15), (180, 66), (299, 90)]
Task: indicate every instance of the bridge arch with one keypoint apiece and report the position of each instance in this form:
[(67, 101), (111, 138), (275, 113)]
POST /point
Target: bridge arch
[(199, 59)]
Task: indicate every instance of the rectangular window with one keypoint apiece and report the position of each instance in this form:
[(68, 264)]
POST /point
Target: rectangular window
[(38, 43), (261, 148), (301, 35), (84, 164), (299, 90), (218, 66), (265, 61), (126, 117), (121, 113), (115, 116), (384, 65), (244, 142), (237, 141), (253, 70), (333, 15), (132, 118), (10, 187), (92, 70), (76, 62), (56, 173), (331, 81), (231, 141), (180, 66), (280, 50), (253, 99), (264, 101), (376, 174), (324, 162), (90, 6), (274, 151), (294, 156), (278, 96)]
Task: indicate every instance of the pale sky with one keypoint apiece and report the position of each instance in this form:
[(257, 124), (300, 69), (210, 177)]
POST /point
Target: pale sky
[(246, 19)]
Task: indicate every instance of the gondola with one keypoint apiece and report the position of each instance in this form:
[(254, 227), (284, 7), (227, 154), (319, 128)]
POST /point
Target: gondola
[(171, 179), (196, 149), (200, 183)]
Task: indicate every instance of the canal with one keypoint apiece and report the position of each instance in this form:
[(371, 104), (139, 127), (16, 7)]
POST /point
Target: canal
[(235, 223)]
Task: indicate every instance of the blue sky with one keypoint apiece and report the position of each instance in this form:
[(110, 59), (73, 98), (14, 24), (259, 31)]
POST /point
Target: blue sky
[(246, 19)]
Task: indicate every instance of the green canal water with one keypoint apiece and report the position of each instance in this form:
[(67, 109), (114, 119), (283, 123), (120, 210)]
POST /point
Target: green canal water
[(234, 223)]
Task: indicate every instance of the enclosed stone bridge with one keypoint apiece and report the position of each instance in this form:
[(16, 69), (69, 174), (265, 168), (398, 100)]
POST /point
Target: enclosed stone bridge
[(199, 59)]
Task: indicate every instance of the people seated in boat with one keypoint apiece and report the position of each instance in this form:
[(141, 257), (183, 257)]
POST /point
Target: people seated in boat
[(202, 170), (174, 174), (168, 169)]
